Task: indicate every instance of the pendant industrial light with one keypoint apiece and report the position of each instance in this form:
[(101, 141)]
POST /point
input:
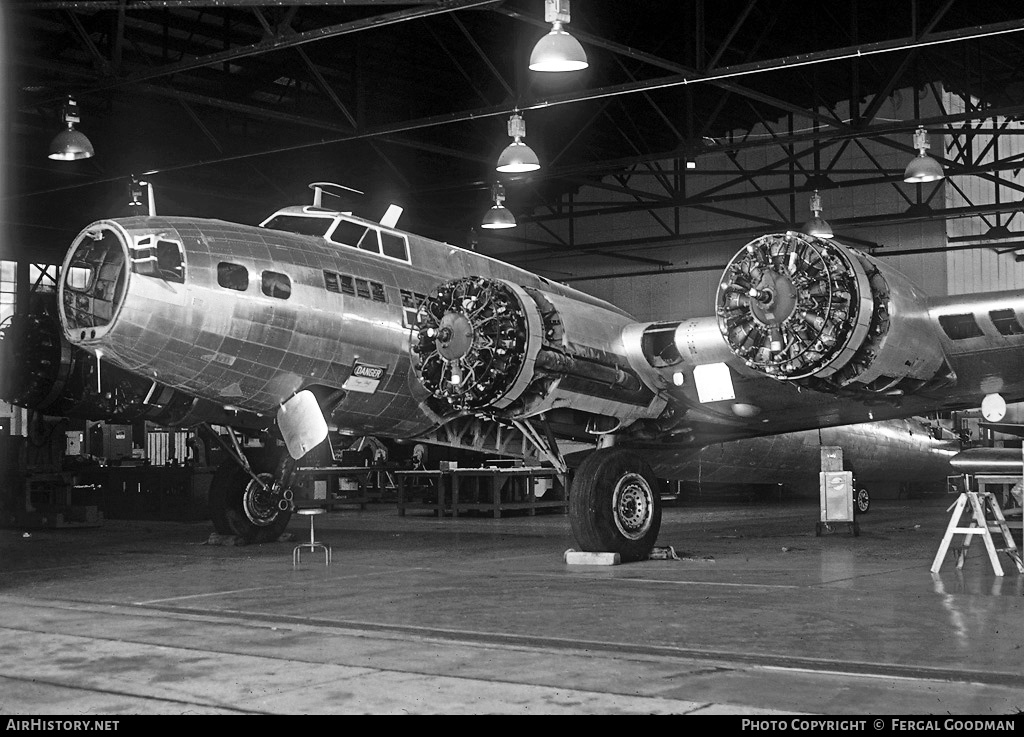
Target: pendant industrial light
[(922, 168), (70, 144), (817, 225), (517, 156), (498, 216), (558, 51)]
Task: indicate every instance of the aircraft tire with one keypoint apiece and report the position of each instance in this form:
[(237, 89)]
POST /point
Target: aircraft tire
[(229, 502), (615, 504), (862, 500)]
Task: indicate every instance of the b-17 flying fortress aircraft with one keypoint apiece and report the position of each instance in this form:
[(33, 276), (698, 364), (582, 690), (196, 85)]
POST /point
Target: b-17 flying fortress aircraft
[(318, 320)]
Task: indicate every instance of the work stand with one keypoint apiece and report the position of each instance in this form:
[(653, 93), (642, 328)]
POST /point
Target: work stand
[(986, 518)]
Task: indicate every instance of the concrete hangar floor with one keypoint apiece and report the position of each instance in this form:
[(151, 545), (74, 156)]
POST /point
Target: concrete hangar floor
[(423, 615)]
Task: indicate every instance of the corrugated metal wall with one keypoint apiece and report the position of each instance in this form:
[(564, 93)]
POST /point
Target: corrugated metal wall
[(980, 270), (983, 268)]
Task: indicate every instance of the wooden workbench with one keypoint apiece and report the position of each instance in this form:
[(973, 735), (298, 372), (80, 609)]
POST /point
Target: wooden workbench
[(372, 483), (488, 489)]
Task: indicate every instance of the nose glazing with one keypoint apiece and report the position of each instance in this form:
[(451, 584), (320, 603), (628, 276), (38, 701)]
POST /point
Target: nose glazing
[(93, 283)]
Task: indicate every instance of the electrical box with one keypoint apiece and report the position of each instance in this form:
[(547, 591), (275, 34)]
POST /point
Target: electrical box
[(836, 496), (111, 442), (76, 442), (831, 458)]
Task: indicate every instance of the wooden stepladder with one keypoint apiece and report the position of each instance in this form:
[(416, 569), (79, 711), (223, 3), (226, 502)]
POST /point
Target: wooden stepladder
[(987, 517)]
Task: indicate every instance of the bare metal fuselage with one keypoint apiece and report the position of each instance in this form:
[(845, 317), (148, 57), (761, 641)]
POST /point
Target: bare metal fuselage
[(244, 317), (251, 348)]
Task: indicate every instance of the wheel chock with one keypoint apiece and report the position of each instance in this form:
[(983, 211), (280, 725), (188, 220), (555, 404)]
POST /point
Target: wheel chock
[(580, 558)]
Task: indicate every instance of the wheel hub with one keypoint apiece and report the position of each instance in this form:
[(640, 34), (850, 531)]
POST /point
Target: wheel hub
[(633, 505), (260, 502)]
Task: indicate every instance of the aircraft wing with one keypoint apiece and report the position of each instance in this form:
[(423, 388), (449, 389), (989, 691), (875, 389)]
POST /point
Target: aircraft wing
[(809, 333), (1006, 428)]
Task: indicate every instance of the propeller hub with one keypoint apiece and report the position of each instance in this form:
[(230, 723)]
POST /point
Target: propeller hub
[(454, 336)]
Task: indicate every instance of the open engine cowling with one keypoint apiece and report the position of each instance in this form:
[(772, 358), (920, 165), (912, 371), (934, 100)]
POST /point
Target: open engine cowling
[(488, 344), (476, 342), (813, 311)]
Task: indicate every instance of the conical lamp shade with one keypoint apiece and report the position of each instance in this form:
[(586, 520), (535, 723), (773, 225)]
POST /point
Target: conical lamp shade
[(69, 145), (517, 157), (558, 52), (498, 217), (818, 226), (923, 168)]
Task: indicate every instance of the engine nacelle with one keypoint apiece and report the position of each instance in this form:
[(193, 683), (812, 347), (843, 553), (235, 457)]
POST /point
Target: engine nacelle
[(485, 344), (815, 312)]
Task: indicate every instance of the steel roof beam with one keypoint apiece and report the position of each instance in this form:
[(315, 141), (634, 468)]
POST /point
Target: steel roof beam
[(683, 239), (593, 94), (287, 41), (169, 4)]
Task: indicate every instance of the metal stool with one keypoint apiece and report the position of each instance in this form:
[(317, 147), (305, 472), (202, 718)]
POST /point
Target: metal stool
[(313, 543)]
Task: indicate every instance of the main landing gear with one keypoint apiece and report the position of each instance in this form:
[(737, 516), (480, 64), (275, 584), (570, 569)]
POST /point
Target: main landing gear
[(253, 501), (615, 505)]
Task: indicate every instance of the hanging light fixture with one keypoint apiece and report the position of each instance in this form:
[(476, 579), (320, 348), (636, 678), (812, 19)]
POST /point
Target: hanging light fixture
[(70, 144), (558, 51), (922, 168), (817, 225), (498, 216), (517, 156)]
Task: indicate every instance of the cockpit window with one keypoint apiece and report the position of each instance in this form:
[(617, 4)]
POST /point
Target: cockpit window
[(369, 241), (395, 246), (276, 284), (348, 233), (960, 327), (300, 225)]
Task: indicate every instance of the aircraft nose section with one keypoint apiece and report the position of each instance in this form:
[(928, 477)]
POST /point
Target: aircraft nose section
[(93, 281)]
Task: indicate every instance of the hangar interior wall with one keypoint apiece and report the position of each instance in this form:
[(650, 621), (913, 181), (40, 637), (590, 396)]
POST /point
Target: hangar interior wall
[(985, 267), (709, 236)]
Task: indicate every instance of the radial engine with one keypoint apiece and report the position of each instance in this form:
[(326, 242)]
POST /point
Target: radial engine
[(822, 315), (486, 344)]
